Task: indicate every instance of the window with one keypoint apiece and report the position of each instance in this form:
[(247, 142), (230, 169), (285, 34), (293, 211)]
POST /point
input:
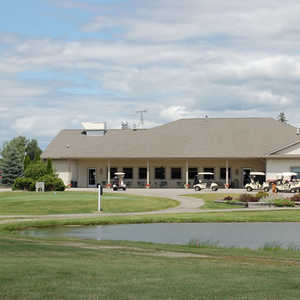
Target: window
[(112, 172), (192, 173), (223, 173), (128, 173), (142, 173), (175, 173), (160, 173), (211, 170), (296, 170)]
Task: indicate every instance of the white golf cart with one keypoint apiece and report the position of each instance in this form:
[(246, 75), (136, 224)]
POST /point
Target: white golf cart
[(200, 183), (257, 182), (287, 182), (118, 182)]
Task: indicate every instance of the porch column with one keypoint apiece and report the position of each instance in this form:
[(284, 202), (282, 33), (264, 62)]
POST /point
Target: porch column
[(108, 174), (227, 174), (148, 175), (186, 175)]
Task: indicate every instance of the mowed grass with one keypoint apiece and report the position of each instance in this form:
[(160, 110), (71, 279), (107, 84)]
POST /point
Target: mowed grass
[(49, 270), (32, 203), (209, 199)]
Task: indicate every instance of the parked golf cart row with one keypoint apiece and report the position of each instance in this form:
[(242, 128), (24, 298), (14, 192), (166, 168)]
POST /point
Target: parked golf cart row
[(285, 182)]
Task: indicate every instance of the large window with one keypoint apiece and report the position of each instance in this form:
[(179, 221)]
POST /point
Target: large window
[(175, 173), (192, 173), (223, 173), (128, 173), (211, 170), (112, 172), (296, 170), (142, 173), (160, 173)]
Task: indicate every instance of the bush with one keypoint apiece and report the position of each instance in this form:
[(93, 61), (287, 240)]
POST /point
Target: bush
[(52, 183), (24, 183), (36, 170), (227, 198), (296, 198), (248, 198), (284, 202), (261, 194)]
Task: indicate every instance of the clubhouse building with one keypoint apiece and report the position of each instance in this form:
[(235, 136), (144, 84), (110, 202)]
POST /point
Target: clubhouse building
[(171, 155)]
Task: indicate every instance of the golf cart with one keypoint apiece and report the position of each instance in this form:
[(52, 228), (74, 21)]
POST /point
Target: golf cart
[(200, 183), (257, 182), (287, 182), (118, 183)]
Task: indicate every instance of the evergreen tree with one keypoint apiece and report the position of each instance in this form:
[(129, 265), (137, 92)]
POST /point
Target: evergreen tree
[(282, 118), (27, 161), (12, 165), (49, 167)]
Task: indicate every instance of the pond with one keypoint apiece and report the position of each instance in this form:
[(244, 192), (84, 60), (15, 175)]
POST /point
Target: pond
[(251, 235)]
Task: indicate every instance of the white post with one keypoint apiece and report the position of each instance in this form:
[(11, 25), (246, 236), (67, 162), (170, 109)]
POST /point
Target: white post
[(108, 174), (187, 175), (227, 174), (148, 175), (99, 198)]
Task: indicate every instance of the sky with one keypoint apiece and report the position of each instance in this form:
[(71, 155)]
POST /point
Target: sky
[(63, 62)]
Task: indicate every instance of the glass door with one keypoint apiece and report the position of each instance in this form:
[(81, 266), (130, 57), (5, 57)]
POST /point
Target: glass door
[(91, 177), (246, 176)]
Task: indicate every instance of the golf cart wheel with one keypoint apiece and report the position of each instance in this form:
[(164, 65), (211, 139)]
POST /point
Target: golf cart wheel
[(249, 189), (293, 191), (197, 189), (266, 189), (115, 189), (124, 189), (214, 189)]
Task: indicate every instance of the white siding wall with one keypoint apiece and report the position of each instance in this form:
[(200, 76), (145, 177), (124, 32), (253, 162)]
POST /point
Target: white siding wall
[(275, 166), (66, 170)]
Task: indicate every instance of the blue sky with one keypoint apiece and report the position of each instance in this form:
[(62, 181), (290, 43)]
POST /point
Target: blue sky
[(63, 62)]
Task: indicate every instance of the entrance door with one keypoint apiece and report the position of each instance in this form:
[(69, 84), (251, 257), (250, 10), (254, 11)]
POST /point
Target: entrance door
[(246, 176), (91, 177)]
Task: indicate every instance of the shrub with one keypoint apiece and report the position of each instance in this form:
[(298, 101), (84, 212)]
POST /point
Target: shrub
[(24, 183), (36, 170), (248, 198), (282, 202), (52, 183), (296, 198), (261, 194)]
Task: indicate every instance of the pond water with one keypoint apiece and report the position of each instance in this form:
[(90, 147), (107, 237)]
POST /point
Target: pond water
[(251, 235)]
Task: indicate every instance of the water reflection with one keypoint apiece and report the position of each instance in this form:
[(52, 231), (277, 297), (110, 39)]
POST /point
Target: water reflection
[(251, 235)]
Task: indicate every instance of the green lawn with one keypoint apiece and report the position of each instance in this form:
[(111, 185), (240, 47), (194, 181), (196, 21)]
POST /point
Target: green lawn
[(33, 270), (209, 199), (18, 203)]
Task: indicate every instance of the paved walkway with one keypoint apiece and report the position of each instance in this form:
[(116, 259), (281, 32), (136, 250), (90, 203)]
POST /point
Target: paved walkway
[(187, 205)]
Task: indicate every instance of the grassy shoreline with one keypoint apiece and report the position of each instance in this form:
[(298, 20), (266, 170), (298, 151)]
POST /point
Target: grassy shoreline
[(213, 217)]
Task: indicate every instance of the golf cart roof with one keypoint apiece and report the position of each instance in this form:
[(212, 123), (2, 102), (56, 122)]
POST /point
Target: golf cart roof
[(119, 173), (205, 173), (288, 174), (257, 174)]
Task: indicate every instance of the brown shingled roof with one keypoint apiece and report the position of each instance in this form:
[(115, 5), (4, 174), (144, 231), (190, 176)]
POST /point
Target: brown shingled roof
[(185, 138)]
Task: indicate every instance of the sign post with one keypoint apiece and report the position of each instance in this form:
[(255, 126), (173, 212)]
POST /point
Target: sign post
[(100, 192)]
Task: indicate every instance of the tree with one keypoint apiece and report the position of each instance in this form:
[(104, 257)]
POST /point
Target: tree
[(27, 162), (282, 118), (33, 150), (12, 164), (18, 143), (49, 167)]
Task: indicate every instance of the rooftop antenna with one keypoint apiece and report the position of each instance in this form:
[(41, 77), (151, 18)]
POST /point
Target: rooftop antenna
[(141, 112)]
